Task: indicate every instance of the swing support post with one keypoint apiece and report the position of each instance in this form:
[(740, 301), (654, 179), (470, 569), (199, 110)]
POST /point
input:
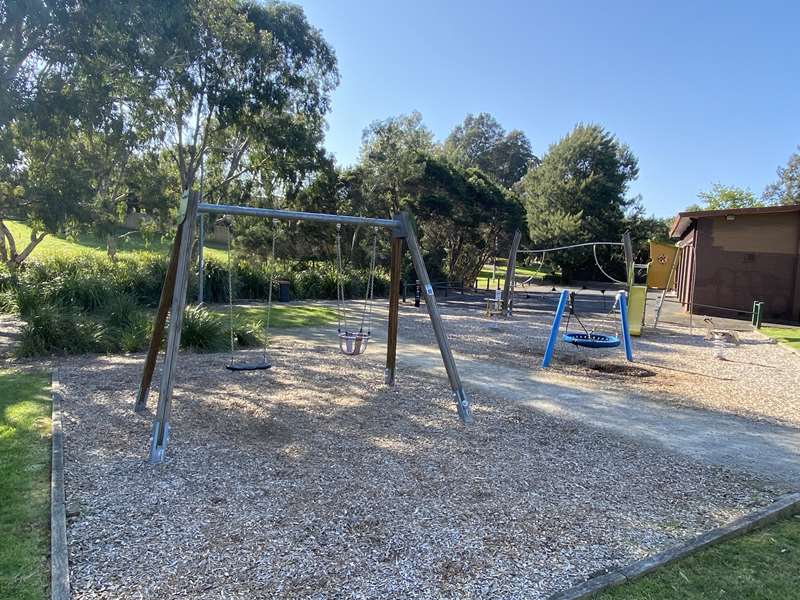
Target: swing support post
[(173, 298), (551, 341), (394, 309)]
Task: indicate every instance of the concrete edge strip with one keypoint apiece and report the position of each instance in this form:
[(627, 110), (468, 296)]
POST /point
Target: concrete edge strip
[(784, 506), (59, 557)]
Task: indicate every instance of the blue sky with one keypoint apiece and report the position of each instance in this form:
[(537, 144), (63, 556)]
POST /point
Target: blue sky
[(702, 92)]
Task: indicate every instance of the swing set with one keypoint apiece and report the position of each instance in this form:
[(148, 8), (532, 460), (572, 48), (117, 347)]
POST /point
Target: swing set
[(589, 337), (351, 341)]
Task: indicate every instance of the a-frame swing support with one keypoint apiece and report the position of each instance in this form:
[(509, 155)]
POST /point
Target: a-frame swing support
[(174, 295)]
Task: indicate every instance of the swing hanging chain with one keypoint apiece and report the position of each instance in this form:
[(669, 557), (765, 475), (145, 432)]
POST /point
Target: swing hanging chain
[(341, 315), (368, 296), (271, 284), (230, 293)]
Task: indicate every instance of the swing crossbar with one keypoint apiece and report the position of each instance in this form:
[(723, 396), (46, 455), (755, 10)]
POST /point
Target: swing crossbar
[(295, 215)]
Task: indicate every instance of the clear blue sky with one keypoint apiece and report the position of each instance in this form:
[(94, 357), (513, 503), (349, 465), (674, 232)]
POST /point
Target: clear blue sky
[(702, 92)]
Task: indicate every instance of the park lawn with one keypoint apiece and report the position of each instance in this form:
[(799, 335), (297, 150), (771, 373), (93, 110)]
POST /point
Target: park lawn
[(86, 243), (25, 407), (763, 565), (522, 273), (785, 335), (283, 315)]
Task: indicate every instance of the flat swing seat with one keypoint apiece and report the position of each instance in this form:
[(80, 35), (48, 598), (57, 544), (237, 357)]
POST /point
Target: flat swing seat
[(258, 366), (591, 340)]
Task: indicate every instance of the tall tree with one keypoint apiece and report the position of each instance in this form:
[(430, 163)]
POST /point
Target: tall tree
[(578, 192), (481, 142), (721, 196), (461, 212), (96, 84), (786, 190), (391, 153)]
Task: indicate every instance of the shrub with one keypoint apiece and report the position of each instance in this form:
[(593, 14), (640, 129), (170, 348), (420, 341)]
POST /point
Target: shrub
[(248, 335), (52, 329), (134, 335), (203, 331)]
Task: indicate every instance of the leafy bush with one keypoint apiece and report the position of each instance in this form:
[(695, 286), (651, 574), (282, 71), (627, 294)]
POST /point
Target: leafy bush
[(89, 304), (134, 335), (203, 331), (248, 335), (51, 329)]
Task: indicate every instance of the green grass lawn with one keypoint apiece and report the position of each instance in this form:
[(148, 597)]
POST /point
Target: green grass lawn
[(24, 485), (130, 244), (785, 335), (283, 315), (522, 273), (764, 565)]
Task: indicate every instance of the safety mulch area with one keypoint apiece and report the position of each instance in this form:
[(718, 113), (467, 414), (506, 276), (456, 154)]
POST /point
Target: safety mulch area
[(314, 480), (757, 378)]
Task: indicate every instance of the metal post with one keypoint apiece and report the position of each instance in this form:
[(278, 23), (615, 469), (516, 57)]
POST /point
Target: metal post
[(462, 403), (403, 285), (164, 302), (553, 339), (511, 269), (627, 247), (160, 434), (759, 314), (622, 299), (201, 263), (394, 310), (417, 294)]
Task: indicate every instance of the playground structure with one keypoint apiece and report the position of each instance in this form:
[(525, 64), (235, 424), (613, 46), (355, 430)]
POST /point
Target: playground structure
[(590, 338), (173, 301)]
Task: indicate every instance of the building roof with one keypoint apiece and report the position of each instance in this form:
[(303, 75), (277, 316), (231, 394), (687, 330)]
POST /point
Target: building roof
[(684, 220)]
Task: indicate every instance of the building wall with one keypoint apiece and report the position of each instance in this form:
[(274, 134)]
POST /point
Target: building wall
[(753, 257)]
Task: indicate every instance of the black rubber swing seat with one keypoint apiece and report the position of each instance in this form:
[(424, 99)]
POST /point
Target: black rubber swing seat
[(260, 366), (591, 340)]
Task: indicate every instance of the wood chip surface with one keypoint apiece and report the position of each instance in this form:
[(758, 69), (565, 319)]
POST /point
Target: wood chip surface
[(315, 480)]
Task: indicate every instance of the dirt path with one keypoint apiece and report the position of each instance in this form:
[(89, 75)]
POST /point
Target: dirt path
[(767, 450)]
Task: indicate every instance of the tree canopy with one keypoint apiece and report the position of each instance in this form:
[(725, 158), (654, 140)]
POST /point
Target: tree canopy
[(481, 142), (95, 90), (578, 192)]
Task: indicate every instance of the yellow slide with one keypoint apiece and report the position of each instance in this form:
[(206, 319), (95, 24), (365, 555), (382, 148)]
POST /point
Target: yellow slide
[(637, 298)]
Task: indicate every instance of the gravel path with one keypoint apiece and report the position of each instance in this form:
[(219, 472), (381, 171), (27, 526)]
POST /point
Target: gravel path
[(313, 480), (758, 379)]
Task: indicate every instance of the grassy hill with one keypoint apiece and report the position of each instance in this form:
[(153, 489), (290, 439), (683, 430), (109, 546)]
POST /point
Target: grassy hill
[(131, 244)]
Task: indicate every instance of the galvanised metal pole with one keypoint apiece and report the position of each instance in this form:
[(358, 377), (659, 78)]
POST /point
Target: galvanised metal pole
[(160, 433), (201, 263), (296, 215), (462, 403)]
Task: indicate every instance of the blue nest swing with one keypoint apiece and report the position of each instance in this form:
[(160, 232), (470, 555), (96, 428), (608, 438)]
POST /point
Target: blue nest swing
[(591, 340)]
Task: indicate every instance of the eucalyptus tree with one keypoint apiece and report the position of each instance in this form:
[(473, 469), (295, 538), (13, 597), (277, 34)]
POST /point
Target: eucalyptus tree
[(481, 142)]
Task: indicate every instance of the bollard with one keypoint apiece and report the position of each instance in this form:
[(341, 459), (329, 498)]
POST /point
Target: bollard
[(487, 284), (417, 294), (759, 315), (754, 313)]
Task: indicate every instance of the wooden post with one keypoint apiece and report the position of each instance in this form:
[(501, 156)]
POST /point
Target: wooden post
[(394, 310), (160, 433), (160, 323), (511, 268)]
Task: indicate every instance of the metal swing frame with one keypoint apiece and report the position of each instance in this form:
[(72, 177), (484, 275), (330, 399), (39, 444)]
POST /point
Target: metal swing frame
[(173, 301), (601, 340)]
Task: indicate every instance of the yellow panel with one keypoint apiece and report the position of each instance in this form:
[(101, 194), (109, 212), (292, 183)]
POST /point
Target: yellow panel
[(662, 257), (637, 297)]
